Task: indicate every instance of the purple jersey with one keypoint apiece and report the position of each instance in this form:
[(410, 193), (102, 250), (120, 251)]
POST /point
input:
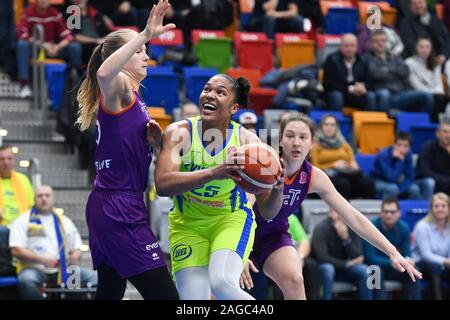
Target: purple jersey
[(123, 155), (273, 234), (294, 193)]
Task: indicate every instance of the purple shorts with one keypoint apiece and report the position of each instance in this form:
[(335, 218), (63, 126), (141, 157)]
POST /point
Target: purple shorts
[(265, 245), (120, 234)]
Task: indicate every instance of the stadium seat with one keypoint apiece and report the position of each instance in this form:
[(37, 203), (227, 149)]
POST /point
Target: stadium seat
[(326, 44), (260, 98), (365, 162), (56, 75), (413, 211), (160, 88), (8, 282), (198, 34), (345, 123), (325, 6), (171, 38), (294, 49), (341, 20), (214, 53), (367, 125), (368, 207), (389, 13), (253, 51), (313, 212), (159, 115), (420, 127), (439, 7), (195, 79)]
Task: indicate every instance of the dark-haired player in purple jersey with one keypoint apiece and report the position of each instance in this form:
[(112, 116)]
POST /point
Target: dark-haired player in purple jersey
[(121, 242), (273, 250)]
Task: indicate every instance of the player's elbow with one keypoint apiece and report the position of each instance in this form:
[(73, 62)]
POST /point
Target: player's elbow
[(162, 188)]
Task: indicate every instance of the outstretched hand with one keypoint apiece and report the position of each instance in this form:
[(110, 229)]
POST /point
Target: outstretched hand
[(246, 279), (155, 25), (280, 181), (402, 265)]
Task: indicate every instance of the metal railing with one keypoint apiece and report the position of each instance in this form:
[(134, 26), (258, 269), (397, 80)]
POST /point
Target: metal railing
[(40, 98)]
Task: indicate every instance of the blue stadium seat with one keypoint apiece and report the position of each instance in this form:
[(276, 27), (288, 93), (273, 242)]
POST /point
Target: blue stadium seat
[(8, 281), (56, 75), (365, 162), (161, 88), (195, 79), (341, 20), (420, 127), (413, 211), (345, 123)]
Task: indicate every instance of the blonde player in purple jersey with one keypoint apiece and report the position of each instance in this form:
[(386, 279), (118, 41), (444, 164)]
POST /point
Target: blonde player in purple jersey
[(122, 245), (273, 251)]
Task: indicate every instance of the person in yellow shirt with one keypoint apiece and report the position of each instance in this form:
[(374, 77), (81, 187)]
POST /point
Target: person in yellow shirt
[(16, 193), (333, 154)]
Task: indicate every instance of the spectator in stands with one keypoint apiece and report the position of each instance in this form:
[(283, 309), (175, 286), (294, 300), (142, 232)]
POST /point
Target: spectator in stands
[(434, 158), (7, 38), (398, 233), (311, 272), (189, 110), (422, 23), (431, 246), (425, 75), (57, 40), (394, 44), (249, 120), (335, 156), (92, 29), (345, 77), (311, 9), (117, 12), (16, 193), (46, 243), (271, 16), (338, 250), (393, 172), (388, 77)]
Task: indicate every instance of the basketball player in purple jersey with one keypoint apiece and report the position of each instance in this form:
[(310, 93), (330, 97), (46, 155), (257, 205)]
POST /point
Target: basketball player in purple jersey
[(273, 250), (121, 242)]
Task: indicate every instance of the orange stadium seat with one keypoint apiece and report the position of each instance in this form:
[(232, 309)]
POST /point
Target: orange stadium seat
[(439, 11), (160, 116), (373, 131), (294, 49)]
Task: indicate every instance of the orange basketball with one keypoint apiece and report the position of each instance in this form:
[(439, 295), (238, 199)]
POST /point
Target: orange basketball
[(262, 168)]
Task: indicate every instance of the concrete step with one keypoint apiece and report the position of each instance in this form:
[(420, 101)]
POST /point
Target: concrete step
[(11, 104), (21, 133), (49, 160), (63, 178), (72, 196), (41, 147), (31, 118), (10, 90)]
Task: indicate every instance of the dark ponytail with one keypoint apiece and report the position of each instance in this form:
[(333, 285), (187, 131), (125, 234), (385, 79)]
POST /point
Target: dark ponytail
[(242, 92)]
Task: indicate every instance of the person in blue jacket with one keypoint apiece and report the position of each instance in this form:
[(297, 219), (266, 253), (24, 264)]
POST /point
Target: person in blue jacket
[(393, 172)]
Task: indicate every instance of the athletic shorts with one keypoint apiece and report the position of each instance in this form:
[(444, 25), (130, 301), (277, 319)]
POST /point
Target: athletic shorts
[(192, 241), (264, 246), (120, 234)]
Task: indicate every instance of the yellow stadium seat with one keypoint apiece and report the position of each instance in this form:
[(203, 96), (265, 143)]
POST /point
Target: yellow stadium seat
[(160, 116)]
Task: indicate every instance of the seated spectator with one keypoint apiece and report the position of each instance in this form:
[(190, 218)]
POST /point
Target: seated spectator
[(345, 77), (91, 31), (16, 193), (398, 233), (117, 12), (57, 40), (431, 246), (421, 23), (271, 16), (45, 243), (425, 75), (335, 156), (7, 38), (338, 250), (393, 172), (434, 158), (248, 120), (394, 44), (189, 110), (311, 272), (388, 77), (311, 9)]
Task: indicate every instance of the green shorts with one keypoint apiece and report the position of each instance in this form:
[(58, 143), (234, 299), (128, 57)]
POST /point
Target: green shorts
[(192, 241)]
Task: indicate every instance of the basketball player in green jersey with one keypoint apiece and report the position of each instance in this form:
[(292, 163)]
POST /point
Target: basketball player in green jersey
[(211, 225)]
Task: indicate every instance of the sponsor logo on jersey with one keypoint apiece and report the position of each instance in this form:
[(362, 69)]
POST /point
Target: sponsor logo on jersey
[(303, 177), (181, 252)]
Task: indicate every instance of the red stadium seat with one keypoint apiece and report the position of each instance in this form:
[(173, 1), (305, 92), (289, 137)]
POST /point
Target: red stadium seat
[(254, 51)]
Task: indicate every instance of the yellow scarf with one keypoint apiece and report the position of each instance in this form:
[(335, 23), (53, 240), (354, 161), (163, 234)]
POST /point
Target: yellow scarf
[(20, 192)]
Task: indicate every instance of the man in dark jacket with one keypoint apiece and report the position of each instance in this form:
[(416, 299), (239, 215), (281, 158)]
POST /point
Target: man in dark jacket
[(345, 77), (339, 252), (421, 24), (388, 78), (434, 158)]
